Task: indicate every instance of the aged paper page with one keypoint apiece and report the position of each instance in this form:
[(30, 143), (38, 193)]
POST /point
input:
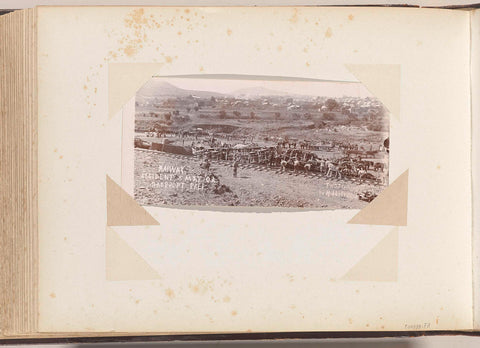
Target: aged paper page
[(184, 269), (421, 3), (475, 56)]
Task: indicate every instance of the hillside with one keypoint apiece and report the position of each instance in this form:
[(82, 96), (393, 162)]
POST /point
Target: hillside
[(257, 91), (157, 87)]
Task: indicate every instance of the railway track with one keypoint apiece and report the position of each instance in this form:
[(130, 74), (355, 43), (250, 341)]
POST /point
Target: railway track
[(264, 168)]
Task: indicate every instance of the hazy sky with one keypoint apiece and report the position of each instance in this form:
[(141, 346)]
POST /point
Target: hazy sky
[(302, 87)]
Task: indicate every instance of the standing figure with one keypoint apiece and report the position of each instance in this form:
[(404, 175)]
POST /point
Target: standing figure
[(284, 164), (272, 159), (235, 168)]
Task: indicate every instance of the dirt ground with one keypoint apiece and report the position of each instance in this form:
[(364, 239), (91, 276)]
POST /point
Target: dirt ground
[(167, 179)]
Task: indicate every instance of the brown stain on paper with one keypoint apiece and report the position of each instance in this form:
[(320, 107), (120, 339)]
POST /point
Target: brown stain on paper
[(201, 286), (328, 33), (137, 17), (130, 50), (137, 25), (294, 18), (170, 293)]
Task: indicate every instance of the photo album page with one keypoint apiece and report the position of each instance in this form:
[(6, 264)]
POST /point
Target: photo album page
[(253, 169)]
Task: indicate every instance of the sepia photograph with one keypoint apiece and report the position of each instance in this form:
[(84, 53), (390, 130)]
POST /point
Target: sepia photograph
[(318, 144)]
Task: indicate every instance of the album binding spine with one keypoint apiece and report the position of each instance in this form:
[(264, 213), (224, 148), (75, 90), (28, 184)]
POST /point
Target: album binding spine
[(18, 174)]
